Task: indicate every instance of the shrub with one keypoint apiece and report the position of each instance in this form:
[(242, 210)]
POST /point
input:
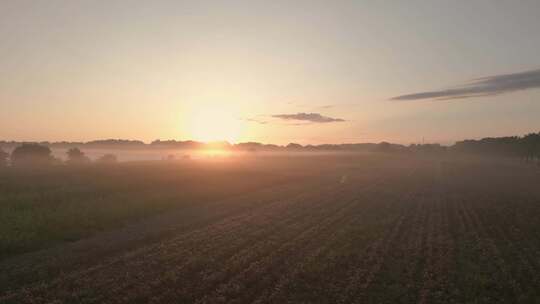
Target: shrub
[(76, 157), (31, 154), (3, 158), (108, 159)]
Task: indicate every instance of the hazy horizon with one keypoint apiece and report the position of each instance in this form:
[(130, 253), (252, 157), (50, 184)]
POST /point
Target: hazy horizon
[(149, 142)]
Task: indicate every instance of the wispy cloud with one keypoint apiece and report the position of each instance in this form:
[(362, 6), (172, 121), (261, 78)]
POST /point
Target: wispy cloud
[(485, 86), (339, 105), (259, 121), (308, 117)]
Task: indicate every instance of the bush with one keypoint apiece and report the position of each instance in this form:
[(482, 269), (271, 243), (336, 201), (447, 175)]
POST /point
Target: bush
[(76, 157), (31, 154), (3, 158), (108, 159)]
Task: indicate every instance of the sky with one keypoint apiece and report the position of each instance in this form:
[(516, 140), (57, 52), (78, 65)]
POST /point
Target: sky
[(270, 71)]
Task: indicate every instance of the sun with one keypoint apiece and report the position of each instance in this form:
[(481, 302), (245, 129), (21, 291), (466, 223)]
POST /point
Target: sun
[(214, 124)]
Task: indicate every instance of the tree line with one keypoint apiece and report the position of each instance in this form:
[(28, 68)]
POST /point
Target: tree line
[(525, 147), (33, 154)]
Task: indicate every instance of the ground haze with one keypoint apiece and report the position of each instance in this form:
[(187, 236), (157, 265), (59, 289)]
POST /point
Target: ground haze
[(373, 227)]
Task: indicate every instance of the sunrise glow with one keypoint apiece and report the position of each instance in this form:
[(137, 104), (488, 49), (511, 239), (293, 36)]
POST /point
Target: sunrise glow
[(212, 123)]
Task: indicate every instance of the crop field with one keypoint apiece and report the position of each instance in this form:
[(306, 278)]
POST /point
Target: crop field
[(370, 228)]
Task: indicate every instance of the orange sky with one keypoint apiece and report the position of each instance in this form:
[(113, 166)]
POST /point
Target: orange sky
[(239, 70)]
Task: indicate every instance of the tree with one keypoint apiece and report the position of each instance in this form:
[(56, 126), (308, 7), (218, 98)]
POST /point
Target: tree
[(531, 146), (108, 159), (76, 157), (31, 154), (294, 146), (384, 147), (3, 158)]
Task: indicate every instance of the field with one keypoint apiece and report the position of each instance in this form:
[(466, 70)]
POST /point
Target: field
[(369, 228)]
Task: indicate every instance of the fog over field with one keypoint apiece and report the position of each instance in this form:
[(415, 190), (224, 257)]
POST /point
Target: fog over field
[(122, 154), (153, 154), (374, 227)]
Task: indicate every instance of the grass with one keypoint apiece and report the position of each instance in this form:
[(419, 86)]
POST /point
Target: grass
[(44, 207)]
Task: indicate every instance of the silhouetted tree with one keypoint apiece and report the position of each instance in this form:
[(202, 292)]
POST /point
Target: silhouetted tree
[(526, 147), (384, 147), (427, 148), (76, 157), (31, 154), (122, 143), (531, 146), (249, 146), (108, 159), (294, 146), (3, 158)]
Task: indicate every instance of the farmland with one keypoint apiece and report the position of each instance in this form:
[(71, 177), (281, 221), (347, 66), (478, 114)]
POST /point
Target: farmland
[(369, 228)]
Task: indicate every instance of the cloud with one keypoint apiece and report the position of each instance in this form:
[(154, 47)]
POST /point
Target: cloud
[(308, 117), (259, 121), (485, 86), (339, 105)]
